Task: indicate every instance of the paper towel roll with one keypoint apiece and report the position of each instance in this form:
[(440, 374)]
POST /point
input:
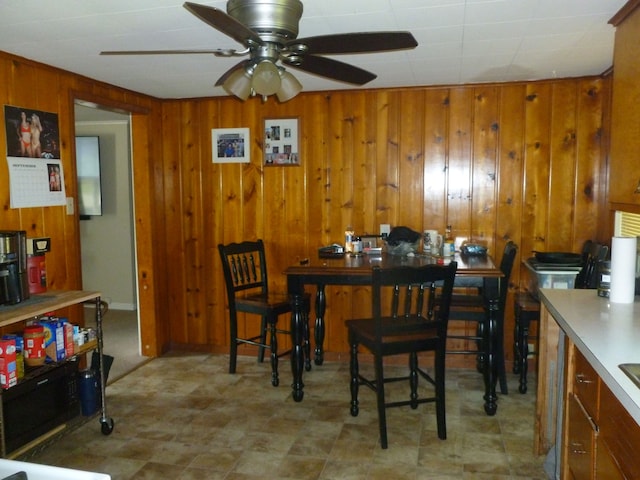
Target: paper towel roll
[(623, 269)]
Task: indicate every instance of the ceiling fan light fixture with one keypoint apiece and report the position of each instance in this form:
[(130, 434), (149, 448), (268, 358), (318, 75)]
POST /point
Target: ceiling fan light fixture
[(266, 78), (238, 84), (289, 86)]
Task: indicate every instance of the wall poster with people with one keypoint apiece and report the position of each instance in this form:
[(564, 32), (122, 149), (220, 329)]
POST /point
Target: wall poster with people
[(33, 155), (281, 142), (230, 145)]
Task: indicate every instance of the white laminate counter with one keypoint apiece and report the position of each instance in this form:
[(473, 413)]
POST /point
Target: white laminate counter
[(606, 333)]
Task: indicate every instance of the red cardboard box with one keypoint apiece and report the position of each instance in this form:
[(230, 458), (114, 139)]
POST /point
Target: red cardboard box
[(69, 349), (8, 366)]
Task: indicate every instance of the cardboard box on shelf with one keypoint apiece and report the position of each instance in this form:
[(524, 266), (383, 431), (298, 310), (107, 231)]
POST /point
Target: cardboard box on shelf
[(69, 349), (8, 366), (54, 339)]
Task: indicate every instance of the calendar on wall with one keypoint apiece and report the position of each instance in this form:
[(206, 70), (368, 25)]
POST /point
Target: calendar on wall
[(36, 177)]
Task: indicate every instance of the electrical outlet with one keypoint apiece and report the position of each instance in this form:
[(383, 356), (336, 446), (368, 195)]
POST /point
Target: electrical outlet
[(70, 207), (532, 349), (385, 229)]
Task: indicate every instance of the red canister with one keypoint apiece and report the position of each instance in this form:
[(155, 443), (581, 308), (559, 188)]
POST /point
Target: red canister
[(37, 274), (34, 352)]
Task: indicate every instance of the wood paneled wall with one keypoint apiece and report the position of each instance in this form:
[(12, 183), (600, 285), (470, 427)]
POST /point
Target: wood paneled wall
[(30, 85), (521, 161)]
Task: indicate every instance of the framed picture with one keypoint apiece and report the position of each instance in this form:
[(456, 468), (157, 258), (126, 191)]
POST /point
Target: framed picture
[(281, 142), (230, 145)]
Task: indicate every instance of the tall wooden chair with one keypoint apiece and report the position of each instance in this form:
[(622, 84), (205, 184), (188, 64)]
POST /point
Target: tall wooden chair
[(472, 308), (415, 323), (527, 308), (245, 274)]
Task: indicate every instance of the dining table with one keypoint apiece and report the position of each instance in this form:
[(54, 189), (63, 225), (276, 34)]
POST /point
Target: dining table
[(347, 269)]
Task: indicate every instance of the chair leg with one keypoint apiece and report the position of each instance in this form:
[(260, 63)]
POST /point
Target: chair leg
[(413, 379), (355, 383), (274, 352), (307, 343), (233, 343), (480, 358), (516, 342), (263, 338), (441, 414), (524, 354), (382, 414)]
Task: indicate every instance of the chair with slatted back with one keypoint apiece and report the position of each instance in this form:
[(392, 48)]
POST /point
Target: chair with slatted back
[(471, 308), (415, 323), (245, 274), (527, 308)]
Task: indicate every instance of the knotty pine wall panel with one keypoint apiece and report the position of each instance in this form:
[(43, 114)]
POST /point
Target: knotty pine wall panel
[(435, 158), (509, 175), (506, 161), (36, 86), (487, 159)]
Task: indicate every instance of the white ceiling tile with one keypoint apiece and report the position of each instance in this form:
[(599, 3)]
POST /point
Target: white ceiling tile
[(460, 41)]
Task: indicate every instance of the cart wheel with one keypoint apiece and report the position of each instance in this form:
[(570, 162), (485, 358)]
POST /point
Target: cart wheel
[(107, 425)]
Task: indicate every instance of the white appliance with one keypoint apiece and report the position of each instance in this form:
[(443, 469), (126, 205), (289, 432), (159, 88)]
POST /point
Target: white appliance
[(36, 471)]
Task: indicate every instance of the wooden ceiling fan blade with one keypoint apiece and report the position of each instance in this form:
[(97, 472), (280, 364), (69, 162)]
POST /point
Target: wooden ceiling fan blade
[(359, 42), (327, 67), (224, 23)]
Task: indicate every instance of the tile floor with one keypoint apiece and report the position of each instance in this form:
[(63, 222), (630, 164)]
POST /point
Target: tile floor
[(184, 417)]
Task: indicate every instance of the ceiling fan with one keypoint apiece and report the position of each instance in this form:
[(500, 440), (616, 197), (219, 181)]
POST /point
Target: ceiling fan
[(268, 29)]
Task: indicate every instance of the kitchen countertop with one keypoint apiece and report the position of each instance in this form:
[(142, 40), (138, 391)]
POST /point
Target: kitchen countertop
[(606, 333)]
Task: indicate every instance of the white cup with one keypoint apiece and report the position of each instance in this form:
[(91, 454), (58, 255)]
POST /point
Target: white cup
[(432, 241)]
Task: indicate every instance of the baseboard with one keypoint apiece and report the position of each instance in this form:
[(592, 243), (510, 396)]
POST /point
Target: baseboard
[(122, 306), (117, 306)]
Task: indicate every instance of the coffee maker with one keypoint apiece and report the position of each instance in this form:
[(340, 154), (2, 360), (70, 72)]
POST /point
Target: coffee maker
[(14, 282)]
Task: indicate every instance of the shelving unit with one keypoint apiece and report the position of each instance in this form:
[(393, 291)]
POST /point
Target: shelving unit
[(39, 305)]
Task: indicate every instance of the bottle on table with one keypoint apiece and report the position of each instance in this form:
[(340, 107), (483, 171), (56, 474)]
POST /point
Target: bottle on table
[(448, 243), (348, 239)]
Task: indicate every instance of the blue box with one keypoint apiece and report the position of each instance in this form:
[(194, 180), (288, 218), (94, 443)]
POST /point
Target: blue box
[(54, 339)]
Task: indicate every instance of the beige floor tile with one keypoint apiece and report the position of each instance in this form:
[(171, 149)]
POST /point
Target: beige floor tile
[(183, 417)]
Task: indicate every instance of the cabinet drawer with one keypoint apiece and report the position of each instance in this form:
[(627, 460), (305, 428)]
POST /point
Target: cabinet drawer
[(580, 441), (586, 385), (620, 432)]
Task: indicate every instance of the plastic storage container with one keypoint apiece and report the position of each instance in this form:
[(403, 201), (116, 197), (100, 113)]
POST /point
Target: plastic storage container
[(562, 277)]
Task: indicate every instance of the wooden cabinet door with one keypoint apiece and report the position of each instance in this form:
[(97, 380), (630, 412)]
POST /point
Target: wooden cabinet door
[(580, 441), (606, 466), (624, 181), (620, 432)]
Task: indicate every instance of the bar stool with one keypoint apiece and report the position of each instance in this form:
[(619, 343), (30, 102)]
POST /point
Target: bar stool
[(527, 308)]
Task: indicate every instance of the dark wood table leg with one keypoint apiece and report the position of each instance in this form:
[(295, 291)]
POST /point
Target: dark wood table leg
[(321, 304), (492, 339)]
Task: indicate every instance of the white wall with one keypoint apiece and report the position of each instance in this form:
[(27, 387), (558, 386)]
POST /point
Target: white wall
[(107, 241)]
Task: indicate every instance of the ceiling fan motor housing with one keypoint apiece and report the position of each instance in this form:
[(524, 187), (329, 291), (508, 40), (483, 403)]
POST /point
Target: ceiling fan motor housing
[(273, 20)]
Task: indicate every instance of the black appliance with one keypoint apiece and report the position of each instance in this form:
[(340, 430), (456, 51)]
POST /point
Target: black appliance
[(14, 280), (46, 398)]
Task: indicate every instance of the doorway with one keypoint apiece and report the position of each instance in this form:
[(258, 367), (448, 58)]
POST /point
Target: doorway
[(107, 239)]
